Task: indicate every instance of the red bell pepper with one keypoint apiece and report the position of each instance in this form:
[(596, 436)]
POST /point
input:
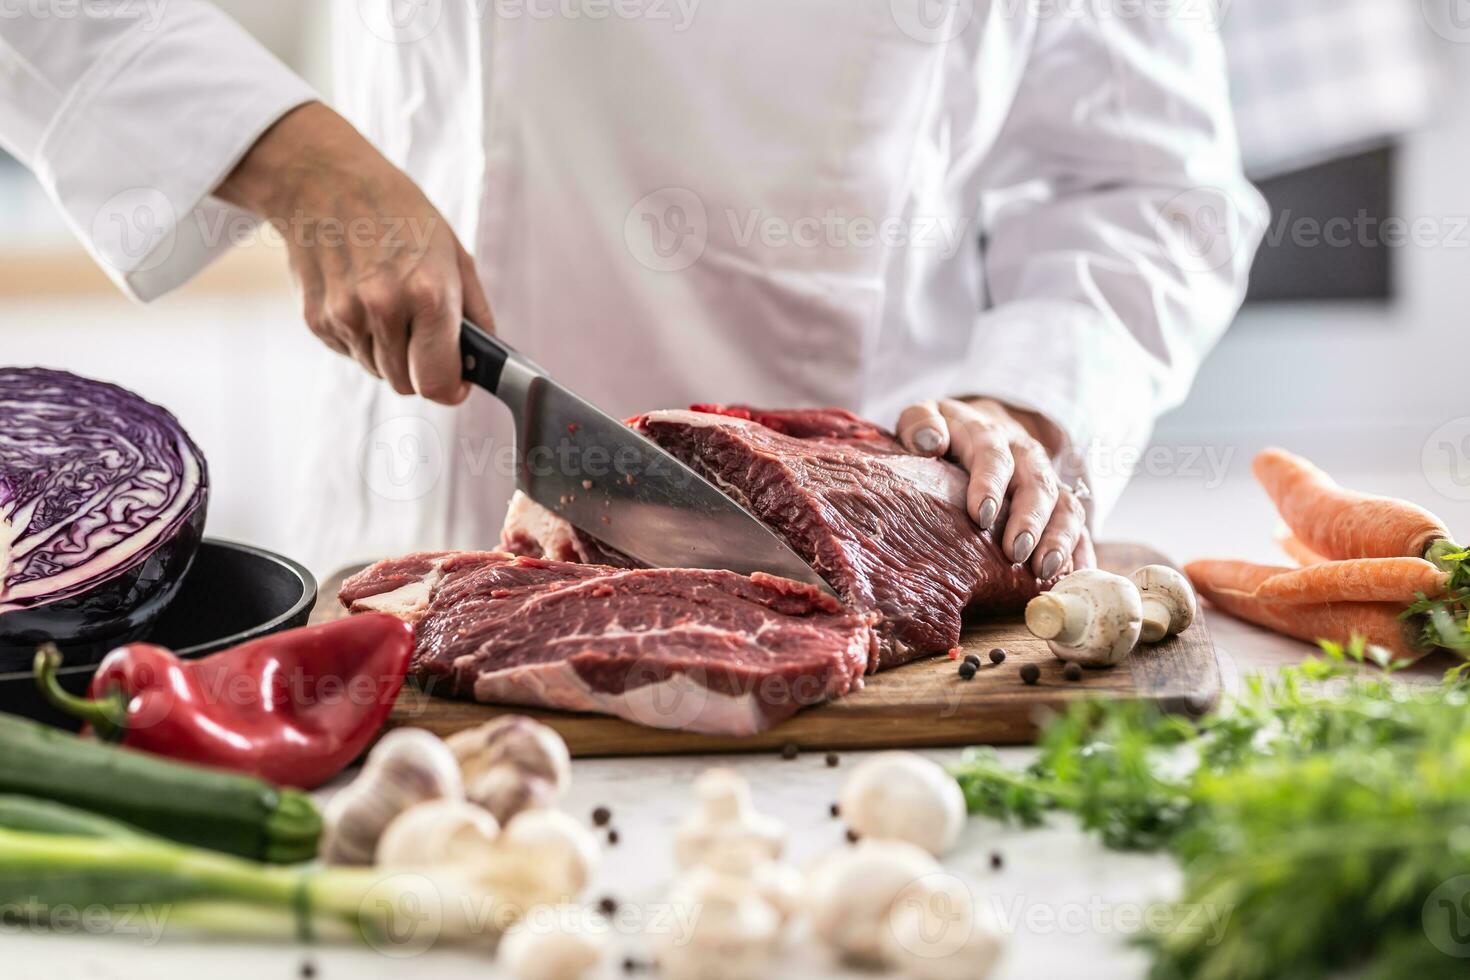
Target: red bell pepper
[(293, 708)]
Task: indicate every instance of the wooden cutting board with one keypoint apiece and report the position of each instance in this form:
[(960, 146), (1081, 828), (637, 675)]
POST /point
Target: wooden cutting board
[(922, 704)]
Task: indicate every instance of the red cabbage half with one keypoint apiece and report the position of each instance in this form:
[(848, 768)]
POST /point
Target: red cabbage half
[(102, 502)]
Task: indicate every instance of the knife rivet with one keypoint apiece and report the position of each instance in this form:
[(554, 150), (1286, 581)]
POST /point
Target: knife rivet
[(469, 362)]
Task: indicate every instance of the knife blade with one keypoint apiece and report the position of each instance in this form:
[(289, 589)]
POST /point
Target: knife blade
[(616, 484)]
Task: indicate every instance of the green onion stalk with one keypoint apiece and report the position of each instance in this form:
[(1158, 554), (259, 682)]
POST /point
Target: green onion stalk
[(44, 875)]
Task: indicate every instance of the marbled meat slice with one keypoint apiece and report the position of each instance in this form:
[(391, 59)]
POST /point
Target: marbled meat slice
[(701, 651)]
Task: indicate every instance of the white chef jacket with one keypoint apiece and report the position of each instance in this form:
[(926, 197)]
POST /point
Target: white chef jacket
[(778, 202)]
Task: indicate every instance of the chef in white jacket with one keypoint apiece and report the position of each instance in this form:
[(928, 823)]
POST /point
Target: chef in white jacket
[(1011, 230)]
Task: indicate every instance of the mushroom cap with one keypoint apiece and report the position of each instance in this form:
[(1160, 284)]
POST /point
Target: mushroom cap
[(548, 852), (733, 934), (559, 942), (437, 833), (1169, 587), (937, 931), (904, 796), (1107, 613), (725, 819), (850, 894)]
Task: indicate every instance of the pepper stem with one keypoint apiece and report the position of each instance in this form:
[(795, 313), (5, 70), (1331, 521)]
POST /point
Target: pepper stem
[(108, 716)]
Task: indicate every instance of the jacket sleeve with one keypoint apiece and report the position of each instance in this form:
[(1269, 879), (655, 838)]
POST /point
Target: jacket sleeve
[(130, 114), (1117, 233)]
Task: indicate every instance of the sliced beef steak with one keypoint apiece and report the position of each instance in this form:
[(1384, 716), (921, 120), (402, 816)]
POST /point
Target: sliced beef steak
[(887, 529), (695, 650)]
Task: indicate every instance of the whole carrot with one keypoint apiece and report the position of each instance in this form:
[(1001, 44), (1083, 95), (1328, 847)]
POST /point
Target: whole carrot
[(1233, 587), (1338, 523), (1401, 580)]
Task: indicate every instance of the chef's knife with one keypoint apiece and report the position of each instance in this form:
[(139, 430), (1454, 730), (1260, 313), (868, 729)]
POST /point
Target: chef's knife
[(616, 484)]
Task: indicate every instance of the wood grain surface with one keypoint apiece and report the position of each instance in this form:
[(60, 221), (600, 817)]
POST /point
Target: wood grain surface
[(922, 704)]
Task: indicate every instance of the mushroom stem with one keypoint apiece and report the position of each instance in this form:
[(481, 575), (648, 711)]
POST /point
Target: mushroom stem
[(1057, 616), (1156, 619)]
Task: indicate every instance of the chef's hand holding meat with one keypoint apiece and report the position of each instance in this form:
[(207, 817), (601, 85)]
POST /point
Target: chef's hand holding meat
[(381, 275), (1014, 488)]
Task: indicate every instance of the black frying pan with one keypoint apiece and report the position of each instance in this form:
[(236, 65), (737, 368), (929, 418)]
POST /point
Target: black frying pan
[(232, 593)]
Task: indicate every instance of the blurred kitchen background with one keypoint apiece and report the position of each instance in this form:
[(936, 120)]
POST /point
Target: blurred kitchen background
[(1354, 120)]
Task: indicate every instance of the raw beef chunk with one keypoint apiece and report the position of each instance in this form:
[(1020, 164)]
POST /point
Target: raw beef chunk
[(887, 529)]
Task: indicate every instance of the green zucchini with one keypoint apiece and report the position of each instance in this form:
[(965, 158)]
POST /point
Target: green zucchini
[(210, 808), (49, 817)]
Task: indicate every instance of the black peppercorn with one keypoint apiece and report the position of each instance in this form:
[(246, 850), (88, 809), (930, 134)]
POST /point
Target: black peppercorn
[(1030, 673), (970, 658), (790, 751), (601, 816), (835, 810), (996, 861), (308, 969), (612, 838), (832, 760), (607, 905), (1072, 672), (997, 655), (967, 670), (852, 836)]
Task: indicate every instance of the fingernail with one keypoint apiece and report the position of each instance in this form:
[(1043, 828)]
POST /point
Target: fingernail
[(1021, 549), (986, 515), (927, 440), (1051, 563)]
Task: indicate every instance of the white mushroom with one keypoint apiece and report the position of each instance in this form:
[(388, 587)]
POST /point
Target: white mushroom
[(725, 817), (1169, 604), (903, 796), (438, 833), (732, 935), (406, 767), (542, 857), (560, 942), (935, 931), (779, 884), (1091, 617), (512, 764), (850, 894)]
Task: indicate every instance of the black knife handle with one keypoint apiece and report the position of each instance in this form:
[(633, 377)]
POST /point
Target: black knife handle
[(482, 356)]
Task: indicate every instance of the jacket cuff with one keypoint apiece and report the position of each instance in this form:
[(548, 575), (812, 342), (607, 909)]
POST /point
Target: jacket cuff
[(1083, 372), (156, 124)]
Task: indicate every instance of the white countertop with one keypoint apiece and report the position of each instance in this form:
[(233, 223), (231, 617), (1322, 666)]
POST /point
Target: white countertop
[(1062, 900)]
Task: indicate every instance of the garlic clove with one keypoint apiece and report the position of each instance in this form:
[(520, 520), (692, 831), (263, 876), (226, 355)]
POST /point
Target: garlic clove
[(406, 767)]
